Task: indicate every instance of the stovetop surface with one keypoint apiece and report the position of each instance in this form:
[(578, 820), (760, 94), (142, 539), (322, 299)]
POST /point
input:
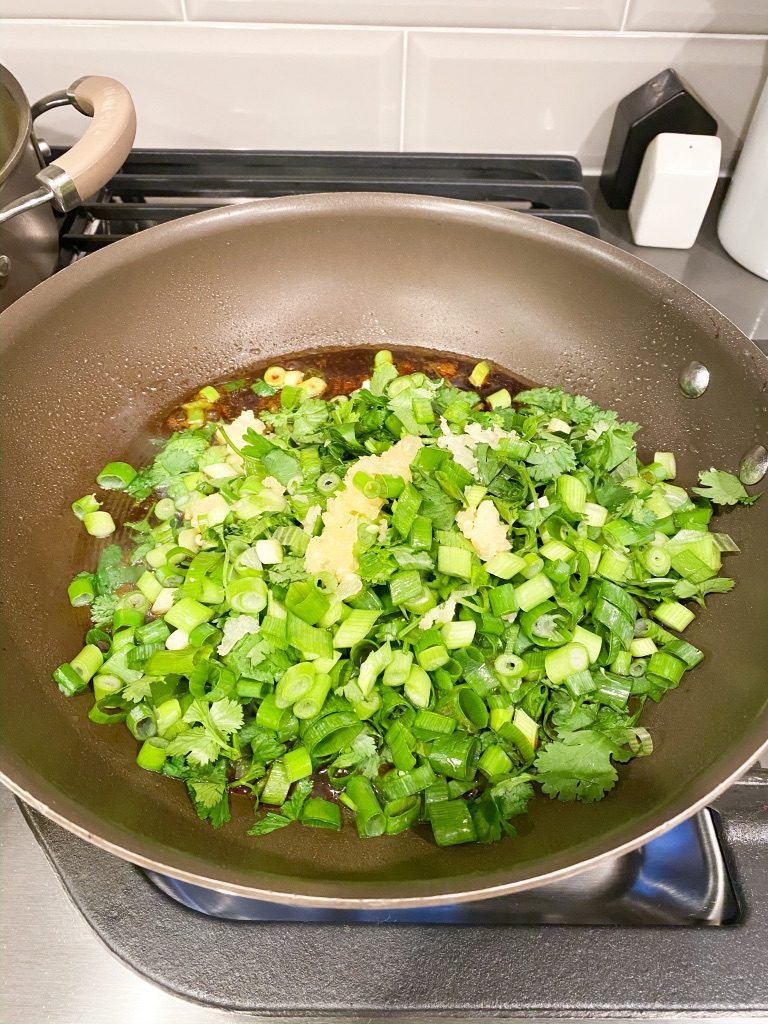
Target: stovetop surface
[(337, 969)]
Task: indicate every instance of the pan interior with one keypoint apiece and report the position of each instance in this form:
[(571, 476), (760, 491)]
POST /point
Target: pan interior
[(114, 342)]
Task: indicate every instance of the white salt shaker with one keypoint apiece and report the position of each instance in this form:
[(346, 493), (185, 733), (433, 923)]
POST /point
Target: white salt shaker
[(675, 184), (743, 224)]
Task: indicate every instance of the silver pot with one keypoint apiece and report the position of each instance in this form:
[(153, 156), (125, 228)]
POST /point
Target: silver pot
[(29, 187)]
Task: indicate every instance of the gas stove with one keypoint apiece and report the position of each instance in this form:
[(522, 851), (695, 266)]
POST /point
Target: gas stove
[(678, 928)]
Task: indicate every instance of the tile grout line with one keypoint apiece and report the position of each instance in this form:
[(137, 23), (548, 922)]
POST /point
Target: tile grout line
[(624, 17), (447, 30), (403, 89)]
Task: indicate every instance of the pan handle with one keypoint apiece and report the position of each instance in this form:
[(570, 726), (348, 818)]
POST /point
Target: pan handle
[(93, 160)]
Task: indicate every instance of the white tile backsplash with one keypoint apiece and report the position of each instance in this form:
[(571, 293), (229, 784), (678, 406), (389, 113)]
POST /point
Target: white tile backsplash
[(557, 93), (135, 10), (546, 14), (223, 86), (465, 75), (745, 16)]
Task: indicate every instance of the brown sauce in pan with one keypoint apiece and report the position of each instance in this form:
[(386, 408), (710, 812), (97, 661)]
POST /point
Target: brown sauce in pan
[(344, 370)]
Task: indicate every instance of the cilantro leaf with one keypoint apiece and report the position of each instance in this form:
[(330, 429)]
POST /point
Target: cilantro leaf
[(684, 590), (551, 460), (227, 715), (308, 421), (512, 796), (102, 608), (206, 792), (376, 566), (294, 804), (290, 811), (137, 690), (196, 745), (265, 745), (436, 505), (577, 766), (180, 455), (723, 488), (612, 495), (290, 570), (362, 755), (111, 572), (269, 823)]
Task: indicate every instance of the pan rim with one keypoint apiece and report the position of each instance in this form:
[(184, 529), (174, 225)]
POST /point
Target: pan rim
[(127, 845), (314, 900)]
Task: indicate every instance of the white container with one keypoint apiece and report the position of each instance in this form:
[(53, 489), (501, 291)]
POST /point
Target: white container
[(675, 184), (743, 224)]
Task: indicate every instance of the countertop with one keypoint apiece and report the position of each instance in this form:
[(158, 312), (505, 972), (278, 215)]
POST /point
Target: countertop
[(706, 269), (53, 969)]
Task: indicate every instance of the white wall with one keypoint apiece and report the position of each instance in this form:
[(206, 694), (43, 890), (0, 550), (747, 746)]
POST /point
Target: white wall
[(537, 76)]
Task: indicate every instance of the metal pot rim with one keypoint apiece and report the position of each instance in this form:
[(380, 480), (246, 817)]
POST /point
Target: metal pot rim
[(17, 94)]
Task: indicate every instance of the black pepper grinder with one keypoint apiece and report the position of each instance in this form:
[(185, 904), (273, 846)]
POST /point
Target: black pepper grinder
[(663, 104)]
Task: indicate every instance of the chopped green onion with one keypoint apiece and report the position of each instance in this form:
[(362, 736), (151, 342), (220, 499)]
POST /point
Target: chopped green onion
[(572, 493), (674, 615), (564, 661), (667, 461), (479, 374), (454, 561), (296, 682), (269, 552), (80, 591), (401, 744), (534, 591), (187, 613), (452, 823), (509, 667), (398, 670), (643, 647), (504, 598), (505, 565), (595, 515), (84, 506), (459, 634), (494, 762), (666, 666), (455, 755), (500, 399), (319, 813), (396, 785), (355, 627), (297, 764), (369, 816), (418, 686), (152, 754), (277, 785), (99, 524), (115, 476)]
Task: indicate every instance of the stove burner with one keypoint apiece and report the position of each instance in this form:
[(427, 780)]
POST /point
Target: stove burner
[(678, 879)]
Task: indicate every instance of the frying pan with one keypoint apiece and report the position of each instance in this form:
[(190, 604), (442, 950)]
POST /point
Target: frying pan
[(104, 348)]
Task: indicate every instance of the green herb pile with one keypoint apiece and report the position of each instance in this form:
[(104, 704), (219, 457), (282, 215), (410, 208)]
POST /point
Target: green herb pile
[(422, 601)]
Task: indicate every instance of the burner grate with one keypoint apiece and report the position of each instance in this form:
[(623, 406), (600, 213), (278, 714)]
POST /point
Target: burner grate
[(156, 186)]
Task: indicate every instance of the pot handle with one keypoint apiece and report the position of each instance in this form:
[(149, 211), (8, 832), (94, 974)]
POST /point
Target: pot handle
[(92, 161)]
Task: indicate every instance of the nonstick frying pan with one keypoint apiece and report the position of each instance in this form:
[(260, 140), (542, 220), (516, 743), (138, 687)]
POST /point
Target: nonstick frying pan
[(94, 355)]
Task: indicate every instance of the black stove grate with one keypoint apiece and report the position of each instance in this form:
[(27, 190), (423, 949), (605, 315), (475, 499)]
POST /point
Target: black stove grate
[(156, 185)]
